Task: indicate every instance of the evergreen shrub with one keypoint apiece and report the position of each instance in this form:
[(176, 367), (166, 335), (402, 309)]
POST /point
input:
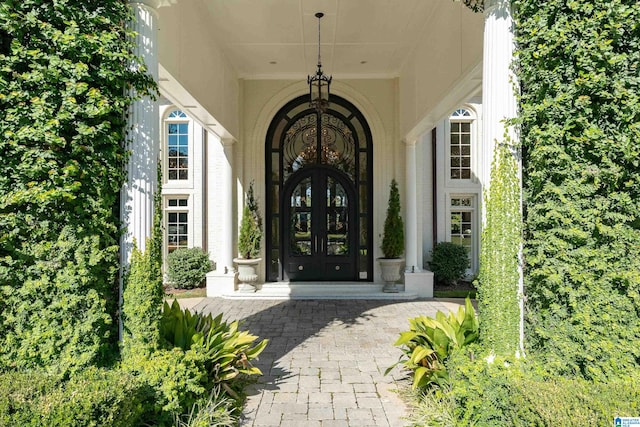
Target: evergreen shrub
[(176, 377), (96, 397), (198, 354), (67, 78), (141, 303), (517, 393), (449, 262), (188, 267), (250, 237), (393, 237), (579, 121)]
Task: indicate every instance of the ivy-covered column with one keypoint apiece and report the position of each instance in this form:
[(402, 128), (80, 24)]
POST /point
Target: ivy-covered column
[(500, 282), (142, 139)]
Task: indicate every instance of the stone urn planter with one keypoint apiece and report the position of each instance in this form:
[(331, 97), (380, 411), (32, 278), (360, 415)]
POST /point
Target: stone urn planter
[(390, 268), (247, 274)]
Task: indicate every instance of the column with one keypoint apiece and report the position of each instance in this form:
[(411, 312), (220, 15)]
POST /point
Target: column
[(416, 280), (499, 86), (226, 208), (137, 193), (498, 93), (222, 280), (411, 223)]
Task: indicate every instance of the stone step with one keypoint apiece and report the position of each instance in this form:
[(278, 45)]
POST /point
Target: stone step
[(323, 290)]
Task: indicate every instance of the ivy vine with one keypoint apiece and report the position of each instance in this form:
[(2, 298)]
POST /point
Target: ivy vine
[(499, 277), (65, 81), (474, 5), (579, 67)]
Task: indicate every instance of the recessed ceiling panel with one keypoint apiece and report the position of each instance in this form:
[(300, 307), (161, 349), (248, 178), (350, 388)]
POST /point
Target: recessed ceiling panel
[(279, 38)]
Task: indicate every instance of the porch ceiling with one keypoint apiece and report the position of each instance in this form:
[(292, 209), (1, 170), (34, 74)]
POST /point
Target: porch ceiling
[(278, 38)]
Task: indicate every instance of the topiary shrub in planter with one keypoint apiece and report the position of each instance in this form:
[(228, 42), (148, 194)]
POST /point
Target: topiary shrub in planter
[(249, 241), (393, 237), (392, 241), (187, 268), (250, 236), (449, 262)]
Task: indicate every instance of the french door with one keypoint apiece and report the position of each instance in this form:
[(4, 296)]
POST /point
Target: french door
[(320, 223)]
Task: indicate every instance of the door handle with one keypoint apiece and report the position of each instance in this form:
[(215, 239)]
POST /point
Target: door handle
[(315, 243)]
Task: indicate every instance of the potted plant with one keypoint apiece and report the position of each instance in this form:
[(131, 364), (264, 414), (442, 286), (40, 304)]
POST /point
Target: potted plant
[(392, 241), (249, 243)]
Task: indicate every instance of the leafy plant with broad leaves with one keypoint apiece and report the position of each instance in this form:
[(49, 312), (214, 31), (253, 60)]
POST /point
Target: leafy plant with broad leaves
[(227, 351), (429, 342)]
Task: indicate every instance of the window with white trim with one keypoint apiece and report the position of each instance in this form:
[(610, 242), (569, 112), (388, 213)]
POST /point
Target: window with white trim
[(460, 144), (177, 127), (177, 224), (462, 224)]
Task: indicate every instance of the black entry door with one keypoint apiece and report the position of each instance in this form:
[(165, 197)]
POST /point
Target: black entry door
[(319, 222)]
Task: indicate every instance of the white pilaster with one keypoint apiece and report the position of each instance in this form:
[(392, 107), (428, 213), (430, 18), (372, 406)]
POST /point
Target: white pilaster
[(222, 280), (411, 223), (498, 92), (142, 141)]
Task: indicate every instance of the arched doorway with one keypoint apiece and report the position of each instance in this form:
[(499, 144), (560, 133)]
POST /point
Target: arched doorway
[(318, 191)]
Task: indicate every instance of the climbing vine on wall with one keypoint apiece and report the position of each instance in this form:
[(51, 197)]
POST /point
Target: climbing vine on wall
[(65, 76), (499, 277), (474, 5), (579, 66)]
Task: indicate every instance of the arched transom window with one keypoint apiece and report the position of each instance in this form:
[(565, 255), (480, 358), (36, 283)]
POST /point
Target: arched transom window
[(177, 131)]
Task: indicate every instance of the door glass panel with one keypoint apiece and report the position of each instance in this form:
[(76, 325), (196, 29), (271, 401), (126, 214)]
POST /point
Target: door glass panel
[(337, 224), (300, 219)]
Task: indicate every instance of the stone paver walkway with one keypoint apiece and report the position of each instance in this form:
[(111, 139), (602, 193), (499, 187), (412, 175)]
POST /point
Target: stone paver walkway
[(325, 362)]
